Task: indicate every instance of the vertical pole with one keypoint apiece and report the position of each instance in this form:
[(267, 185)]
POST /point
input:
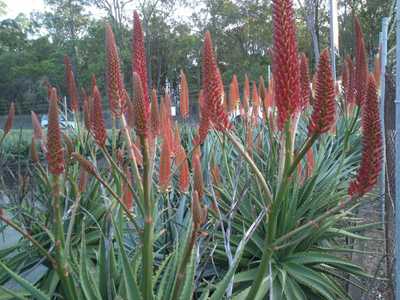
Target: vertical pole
[(383, 54), (334, 34), (397, 150)]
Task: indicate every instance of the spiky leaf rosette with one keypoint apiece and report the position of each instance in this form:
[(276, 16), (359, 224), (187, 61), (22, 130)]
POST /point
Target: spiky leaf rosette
[(371, 159), (71, 84), (97, 119), (184, 96), (138, 53), (305, 81), (213, 88), (324, 106), (285, 63), (55, 154), (115, 82), (141, 107), (361, 67)]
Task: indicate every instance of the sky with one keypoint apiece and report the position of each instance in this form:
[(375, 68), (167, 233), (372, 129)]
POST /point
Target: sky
[(15, 7)]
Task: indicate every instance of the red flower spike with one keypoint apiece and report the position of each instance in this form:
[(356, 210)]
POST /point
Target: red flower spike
[(115, 82), (155, 115), (71, 84), (285, 65), (184, 97), (213, 88), (98, 126), (55, 154), (372, 145), (197, 175), (141, 107), (10, 119), (324, 104), (361, 67), (165, 167), (138, 53), (86, 113), (305, 81)]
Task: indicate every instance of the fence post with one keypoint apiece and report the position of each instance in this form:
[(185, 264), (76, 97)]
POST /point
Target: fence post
[(383, 57), (397, 160)]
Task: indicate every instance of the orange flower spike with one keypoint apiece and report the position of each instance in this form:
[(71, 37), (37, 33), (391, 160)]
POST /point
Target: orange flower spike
[(184, 172), (141, 107), (198, 175), (324, 105), (71, 84), (165, 167), (234, 97), (98, 125), (55, 154), (37, 129), (139, 64), (184, 97), (285, 67), (155, 114), (115, 83)]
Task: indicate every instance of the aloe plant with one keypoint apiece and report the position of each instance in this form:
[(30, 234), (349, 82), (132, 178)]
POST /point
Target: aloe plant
[(240, 209)]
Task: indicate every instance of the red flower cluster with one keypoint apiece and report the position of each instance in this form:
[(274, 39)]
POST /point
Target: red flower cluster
[(324, 106), (285, 65), (115, 82), (55, 154), (138, 54), (165, 166), (371, 160)]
